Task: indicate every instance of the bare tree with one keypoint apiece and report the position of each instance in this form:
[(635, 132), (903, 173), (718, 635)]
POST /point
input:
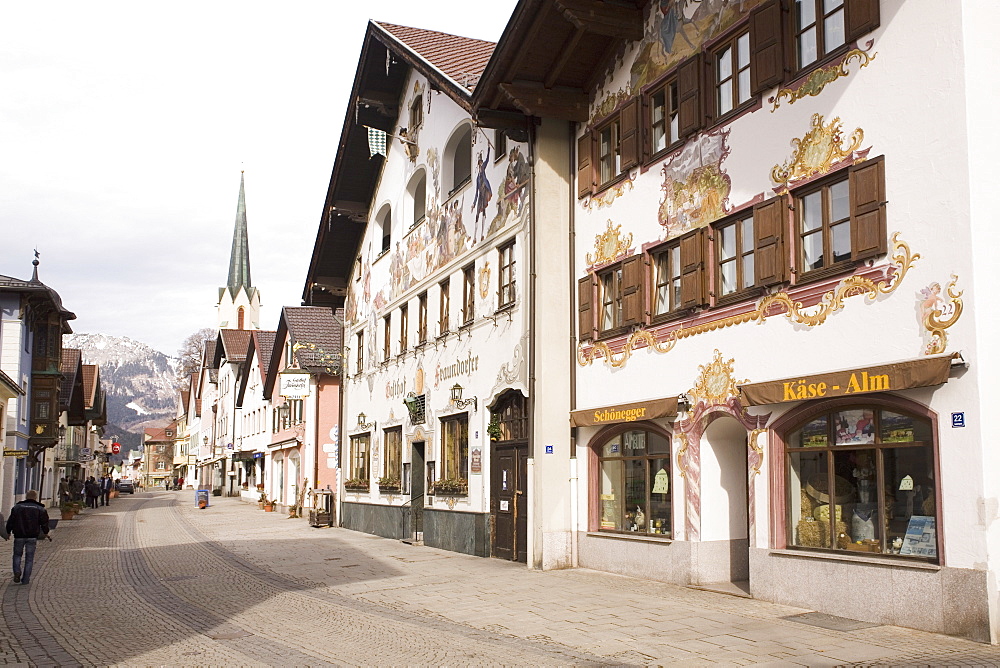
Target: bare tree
[(190, 352)]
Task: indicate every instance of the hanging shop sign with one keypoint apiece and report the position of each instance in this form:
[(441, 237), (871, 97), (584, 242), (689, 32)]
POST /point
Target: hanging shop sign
[(921, 372), (641, 410), (15, 453), (293, 384)]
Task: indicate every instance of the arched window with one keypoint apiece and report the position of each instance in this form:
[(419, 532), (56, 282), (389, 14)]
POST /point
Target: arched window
[(383, 228), (458, 159), (239, 318), (509, 419), (633, 481), (863, 474), (416, 193)]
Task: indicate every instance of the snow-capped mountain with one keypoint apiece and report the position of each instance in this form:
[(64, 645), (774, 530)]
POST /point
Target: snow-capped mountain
[(138, 380)]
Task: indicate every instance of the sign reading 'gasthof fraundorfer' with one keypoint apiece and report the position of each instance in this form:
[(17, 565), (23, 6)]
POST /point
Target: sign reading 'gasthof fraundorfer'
[(293, 384)]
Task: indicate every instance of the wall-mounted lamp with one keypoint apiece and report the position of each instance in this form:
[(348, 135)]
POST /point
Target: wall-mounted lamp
[(683, 403), (363, 424), (456, 398)]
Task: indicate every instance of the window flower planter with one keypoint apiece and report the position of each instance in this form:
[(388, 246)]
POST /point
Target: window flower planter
[(357, 485), (450, 487)]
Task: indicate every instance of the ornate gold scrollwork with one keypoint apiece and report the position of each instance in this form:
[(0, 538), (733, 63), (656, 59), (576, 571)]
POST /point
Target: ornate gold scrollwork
[(609, 245), (752, 442), (716, 382), (819, 79), (816, 152), (682, 437), (936, 324)]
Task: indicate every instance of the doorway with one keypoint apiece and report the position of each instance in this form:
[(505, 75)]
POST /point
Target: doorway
[(509, 478), (417, 491), (725, 506)]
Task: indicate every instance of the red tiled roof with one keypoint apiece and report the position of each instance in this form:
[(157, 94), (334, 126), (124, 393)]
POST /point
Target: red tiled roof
[(90, 372), (461, 59), (264, 345), (320, 335), (234, 344)]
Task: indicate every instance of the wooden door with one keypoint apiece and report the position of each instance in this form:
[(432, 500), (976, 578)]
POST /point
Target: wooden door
[(509, 501)]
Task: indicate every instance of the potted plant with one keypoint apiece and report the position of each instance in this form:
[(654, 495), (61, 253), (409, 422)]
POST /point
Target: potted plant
[(77, 507), (493, 428), (261, 500), (68, 511), (389, 483), (451, 487), (269, 505), (357, 484)]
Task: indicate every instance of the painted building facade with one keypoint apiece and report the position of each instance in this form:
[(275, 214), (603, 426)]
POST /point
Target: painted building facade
[(779, 385)]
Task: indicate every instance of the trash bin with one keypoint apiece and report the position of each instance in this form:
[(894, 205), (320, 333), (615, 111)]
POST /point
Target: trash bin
[(201, 497)]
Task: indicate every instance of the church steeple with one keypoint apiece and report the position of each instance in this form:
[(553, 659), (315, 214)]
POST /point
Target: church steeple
[(239, 259), (239, 301)]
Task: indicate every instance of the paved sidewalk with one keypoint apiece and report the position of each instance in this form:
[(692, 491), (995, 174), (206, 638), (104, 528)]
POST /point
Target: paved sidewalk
[(152, 580)]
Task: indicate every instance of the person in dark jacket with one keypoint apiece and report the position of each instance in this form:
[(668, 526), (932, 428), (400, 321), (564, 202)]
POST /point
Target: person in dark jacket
[(106, 485), (93, 490), (28, 521)]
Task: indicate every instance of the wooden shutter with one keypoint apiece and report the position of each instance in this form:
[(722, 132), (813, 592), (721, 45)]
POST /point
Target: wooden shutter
[(770, 223), (689, 112), (586, 287), (868, 233), (693, 269), (633, 310), (628, 142), (584, 166), (766, 57), (862, 16)]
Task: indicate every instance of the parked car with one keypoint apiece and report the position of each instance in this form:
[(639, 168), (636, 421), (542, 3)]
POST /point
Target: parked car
[(126, 486)]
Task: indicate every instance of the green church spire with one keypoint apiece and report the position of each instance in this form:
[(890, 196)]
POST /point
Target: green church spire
[(239, 259)]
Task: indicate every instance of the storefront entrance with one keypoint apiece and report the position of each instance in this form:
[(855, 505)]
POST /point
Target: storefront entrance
[(417, 491), (725, 503), (509, 501)]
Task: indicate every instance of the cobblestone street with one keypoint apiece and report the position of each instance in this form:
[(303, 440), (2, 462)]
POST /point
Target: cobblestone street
[(153, 581)]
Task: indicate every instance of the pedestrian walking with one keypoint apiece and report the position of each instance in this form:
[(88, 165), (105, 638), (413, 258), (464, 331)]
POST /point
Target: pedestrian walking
[(76, 487), (106, 485), (64, 493), (93, 490), (28, 521)]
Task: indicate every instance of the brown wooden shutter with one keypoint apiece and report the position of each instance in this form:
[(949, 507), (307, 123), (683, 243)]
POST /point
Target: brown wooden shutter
[(862, 16), (584, 166), (693, 269), (628, 142), (767, 64), (868, 233), (689, 113), (586, 287), (632, 292), (645, 150), (770, 222)]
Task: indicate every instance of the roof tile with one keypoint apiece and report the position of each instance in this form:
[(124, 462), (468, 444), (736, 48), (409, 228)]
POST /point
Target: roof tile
[(462, 59)]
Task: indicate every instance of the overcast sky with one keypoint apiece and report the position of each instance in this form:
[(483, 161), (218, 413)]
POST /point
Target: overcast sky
[(124, 127)]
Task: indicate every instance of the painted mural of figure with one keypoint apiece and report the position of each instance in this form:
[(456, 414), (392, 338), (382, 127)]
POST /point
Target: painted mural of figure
[(516, 183), (484, 193), (459, 234), (930, 300)]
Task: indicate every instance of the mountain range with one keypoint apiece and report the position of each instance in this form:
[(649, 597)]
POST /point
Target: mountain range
[(138, 380)]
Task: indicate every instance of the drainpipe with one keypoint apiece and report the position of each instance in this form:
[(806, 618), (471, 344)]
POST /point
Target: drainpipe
[(534, 560), (315, 478), (574, 480)]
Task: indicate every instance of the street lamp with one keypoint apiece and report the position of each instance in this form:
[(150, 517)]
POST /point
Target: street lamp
[(456, 398)]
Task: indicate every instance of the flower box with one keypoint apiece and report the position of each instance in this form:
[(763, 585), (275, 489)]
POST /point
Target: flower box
[(450, 487)]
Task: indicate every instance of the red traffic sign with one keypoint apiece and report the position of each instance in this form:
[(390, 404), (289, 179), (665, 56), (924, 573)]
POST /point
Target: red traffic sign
[(116, 448)]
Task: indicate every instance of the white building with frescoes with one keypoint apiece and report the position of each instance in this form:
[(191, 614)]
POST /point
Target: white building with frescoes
[(780, 224), (427, 242)]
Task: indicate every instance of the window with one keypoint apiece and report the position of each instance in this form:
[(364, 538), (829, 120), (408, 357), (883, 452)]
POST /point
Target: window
[(634, 492), (393, 454), (825, 226), (359, 457), (879, 462), (608, 151), (383, 229), (386, 340), (443, 314), (511, 416), (609, 159), (240, 313), (611, 298), (500, 142), (819, 29), (732, 74), (295, 408), (734, 246), (416, 114), (458, 159), (161, 466), (404, 325), (469, 294), (667, 277), (360, 354), (455, 447), (417, 195), (663, 118), (422, 318), (505, 284)]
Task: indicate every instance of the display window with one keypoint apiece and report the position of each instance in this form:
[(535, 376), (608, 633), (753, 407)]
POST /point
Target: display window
[(862, 478), (633, 488)]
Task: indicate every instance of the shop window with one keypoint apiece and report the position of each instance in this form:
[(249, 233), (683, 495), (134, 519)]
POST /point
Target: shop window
[(861, 478), (469, 294), (455, 447), (505, 283), (393, 456), (634, 491), (731, 71), (404, 326), (734, 253), (359, 457), (422, 318), (444, 314)]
